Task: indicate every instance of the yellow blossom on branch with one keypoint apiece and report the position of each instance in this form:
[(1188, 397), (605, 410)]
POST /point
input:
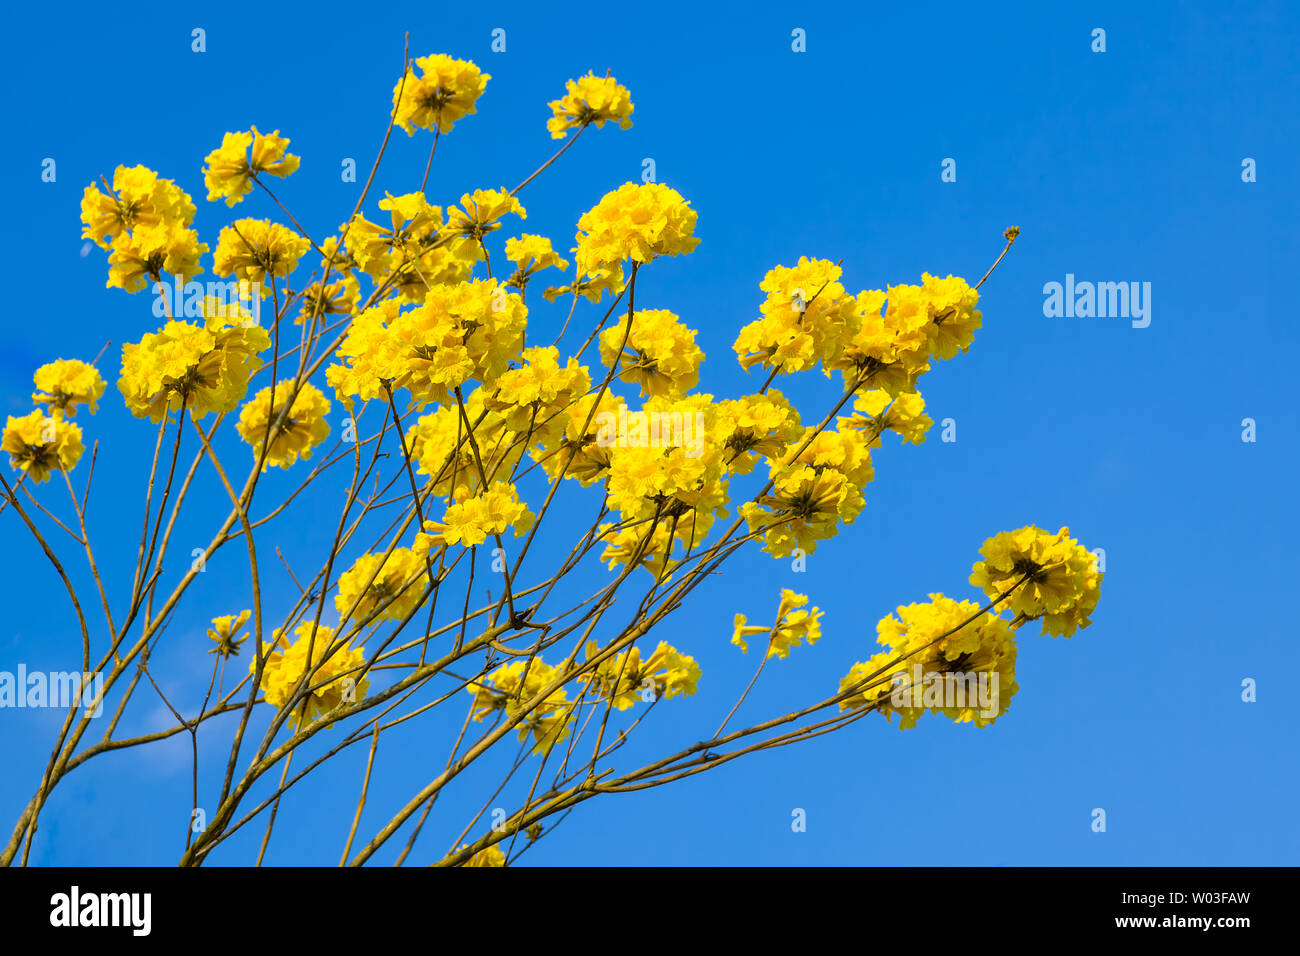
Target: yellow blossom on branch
[(225, 632), (335, 671), (791, 628), (258, 249), (590, 100), (38, 444), (263, 422), (66, 383), (472, 519), (637, 221), (139, 198), (1061, 582), (445, 90), (229, 170)]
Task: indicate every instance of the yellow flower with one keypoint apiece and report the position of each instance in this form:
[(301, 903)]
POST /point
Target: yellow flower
[(903, 413), (791, 628), (488, 856), (301, 430), (38, 445), (944, 656), (333, 682), (531, 254), (637, 222), (579, 446), (743, 629), (149, 251), (511, 687), (537, 396), (590, 99), (228, 171), (479, 211), (898, 331), (445, 91), (1061, 583), (66, 383), (458, 333), (395, 591), (660, 354), (339, 297), (200, 368), (813, 492), (471, 520), (253, 249), (794, 626), (805, 319), (224, 631), (440, 443), (626, 679), (954, 316), (662, 465), (138, 198), (629, 545), (756, 427), (411, 250)]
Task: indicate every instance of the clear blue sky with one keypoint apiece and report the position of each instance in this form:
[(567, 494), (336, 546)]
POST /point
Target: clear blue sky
[(1118, 166)]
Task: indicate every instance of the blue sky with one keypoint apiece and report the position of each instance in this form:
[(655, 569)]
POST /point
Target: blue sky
[(1118, 166)]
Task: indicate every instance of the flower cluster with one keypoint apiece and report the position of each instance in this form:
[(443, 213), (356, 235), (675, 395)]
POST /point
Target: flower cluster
[(471, 519), (201, 368), (229, 170), (255, 250), (939, 651), (791, 628), (441, 446), (625, 678), (817, 484), (637, 222), (66, 383), (462, 332), (412, 243), (1051, 576), (512, 687), (655, 474), (39, 444), (590, 100), (634, 546), (445, 91), (755, 428), (386, 586), (480, 212), (878, 412), (574, 449), (658, 353), (806, 318), (284, 436), (886, 338), (335, 670), (536, 397), (531, 254), (145, 222)]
